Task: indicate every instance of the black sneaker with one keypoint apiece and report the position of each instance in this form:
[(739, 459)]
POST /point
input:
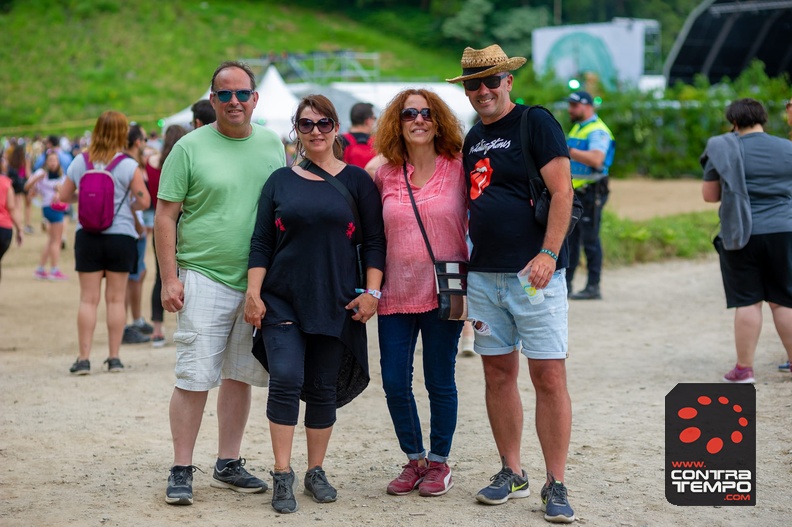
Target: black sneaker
[(591, 292), (555, 502), (132, 335), (144, 327), (317, 486), (114, 365), (81, 367), (179, 491), (283, 499), (505, 485), (234, 477)]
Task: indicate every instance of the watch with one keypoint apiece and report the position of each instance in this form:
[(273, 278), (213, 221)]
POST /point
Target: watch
[(376, 293)]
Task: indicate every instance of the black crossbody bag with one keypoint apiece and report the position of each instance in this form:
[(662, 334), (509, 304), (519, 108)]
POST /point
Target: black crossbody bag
[(540, 197), (307, 164), (450, 276)]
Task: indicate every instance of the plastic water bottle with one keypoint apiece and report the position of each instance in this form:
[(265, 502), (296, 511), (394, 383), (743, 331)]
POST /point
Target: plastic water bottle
[(535, 296)]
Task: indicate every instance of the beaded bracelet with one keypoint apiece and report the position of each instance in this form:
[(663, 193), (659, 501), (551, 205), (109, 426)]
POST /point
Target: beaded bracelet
[(553, 255)]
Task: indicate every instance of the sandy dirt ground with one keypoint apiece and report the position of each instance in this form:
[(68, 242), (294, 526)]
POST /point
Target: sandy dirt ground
[(95, 450)]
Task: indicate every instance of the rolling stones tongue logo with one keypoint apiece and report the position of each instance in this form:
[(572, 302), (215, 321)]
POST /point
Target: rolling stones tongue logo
[(480, 178)]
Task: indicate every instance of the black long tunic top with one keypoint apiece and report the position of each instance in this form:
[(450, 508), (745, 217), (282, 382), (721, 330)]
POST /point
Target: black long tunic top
[(304, 238)]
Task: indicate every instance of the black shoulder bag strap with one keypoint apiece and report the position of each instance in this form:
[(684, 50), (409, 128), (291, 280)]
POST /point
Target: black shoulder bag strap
[(417, 216), (307, 164), (535, 187)]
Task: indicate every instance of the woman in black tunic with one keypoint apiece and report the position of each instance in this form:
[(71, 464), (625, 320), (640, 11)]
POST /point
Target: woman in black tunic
[(303, 297)]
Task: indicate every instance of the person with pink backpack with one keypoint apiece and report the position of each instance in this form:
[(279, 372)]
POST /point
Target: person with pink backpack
[(105, 180)]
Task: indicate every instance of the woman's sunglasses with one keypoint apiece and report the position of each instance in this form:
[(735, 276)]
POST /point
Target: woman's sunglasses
[(241, 95), (411, 114), (491, 82), (306, 126)]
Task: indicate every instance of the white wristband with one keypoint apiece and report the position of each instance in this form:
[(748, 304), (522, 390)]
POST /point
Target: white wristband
[(375, 293)]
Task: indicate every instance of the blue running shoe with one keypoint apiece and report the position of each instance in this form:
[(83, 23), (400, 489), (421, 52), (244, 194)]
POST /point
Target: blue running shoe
[(784, 367), (555, 503), (505, 485)]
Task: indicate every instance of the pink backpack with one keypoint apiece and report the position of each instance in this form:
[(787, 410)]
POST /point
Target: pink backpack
[(96, 195)]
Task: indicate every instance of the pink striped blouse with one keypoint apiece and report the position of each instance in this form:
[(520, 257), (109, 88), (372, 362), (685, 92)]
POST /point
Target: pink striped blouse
[(409, 285)]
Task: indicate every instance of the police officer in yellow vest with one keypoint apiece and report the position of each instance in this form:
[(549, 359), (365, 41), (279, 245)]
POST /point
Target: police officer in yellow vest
[(591, 149)]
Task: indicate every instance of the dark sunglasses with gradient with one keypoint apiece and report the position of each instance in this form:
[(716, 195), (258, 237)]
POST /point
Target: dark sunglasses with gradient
[(411, 114), (306, 126), (491, 82), (241, 95)]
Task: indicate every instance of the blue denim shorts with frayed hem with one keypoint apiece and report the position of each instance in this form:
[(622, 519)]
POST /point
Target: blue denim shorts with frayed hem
[(510, 321)]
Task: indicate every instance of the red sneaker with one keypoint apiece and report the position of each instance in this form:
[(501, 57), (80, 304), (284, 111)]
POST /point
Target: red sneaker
[(437, 480), (412, 474), (740, 375)]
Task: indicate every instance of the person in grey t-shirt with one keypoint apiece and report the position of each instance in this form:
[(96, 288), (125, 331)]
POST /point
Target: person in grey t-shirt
[(761, 271)]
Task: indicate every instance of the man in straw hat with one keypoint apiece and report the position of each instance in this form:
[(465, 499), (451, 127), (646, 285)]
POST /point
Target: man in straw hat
[(507, 240)]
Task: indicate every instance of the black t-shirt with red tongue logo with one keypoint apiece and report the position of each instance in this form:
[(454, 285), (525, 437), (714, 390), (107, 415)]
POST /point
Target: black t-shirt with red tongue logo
[(504, 233)]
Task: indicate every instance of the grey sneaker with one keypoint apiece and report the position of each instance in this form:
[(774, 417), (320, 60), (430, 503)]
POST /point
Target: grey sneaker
[(132, 335), (144, 327), (283, 499), (81, 367), (234, 477), (114, 365), (317, 486), (179, 491), (158, 341)]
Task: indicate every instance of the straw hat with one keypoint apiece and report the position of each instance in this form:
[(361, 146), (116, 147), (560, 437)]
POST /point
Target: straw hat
[(480, 63)]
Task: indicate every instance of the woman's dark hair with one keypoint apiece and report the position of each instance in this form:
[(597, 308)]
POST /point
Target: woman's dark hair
[(321, 105), (135, 133), (744, 113), (172, 134)]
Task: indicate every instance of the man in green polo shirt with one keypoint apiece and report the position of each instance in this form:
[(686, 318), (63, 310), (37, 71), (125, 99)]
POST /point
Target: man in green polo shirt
[(214, 175)]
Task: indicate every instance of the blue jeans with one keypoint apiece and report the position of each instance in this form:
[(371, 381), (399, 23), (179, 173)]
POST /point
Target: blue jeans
[(397, 337)]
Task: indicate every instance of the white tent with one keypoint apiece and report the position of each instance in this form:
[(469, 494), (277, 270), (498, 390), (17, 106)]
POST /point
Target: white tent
[(381, 93), (275, 106)]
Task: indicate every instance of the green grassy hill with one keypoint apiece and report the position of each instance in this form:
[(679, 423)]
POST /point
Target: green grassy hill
[(66, 61)]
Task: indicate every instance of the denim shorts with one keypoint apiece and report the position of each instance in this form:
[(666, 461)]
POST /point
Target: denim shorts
[(141, 259), (213, 341), (52, 215), (498, 300)]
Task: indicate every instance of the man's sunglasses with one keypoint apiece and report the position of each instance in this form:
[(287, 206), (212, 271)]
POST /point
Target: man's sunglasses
[(411, 114), (241, 95), (491, 82), (306, 126)]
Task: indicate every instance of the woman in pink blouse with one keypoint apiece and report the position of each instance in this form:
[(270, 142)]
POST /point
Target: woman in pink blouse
[(418, 131)]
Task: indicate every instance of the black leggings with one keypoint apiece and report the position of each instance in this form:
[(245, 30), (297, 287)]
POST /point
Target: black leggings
[(157, 314), (301, 363), (6, 235)]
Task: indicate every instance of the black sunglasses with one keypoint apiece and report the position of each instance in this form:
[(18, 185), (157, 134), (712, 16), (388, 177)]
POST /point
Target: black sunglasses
[(411, 114), (491, 82), (241, 95), (306, 126)]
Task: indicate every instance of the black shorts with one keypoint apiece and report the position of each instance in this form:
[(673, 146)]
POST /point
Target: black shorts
[(760, 271), (104, 252)]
